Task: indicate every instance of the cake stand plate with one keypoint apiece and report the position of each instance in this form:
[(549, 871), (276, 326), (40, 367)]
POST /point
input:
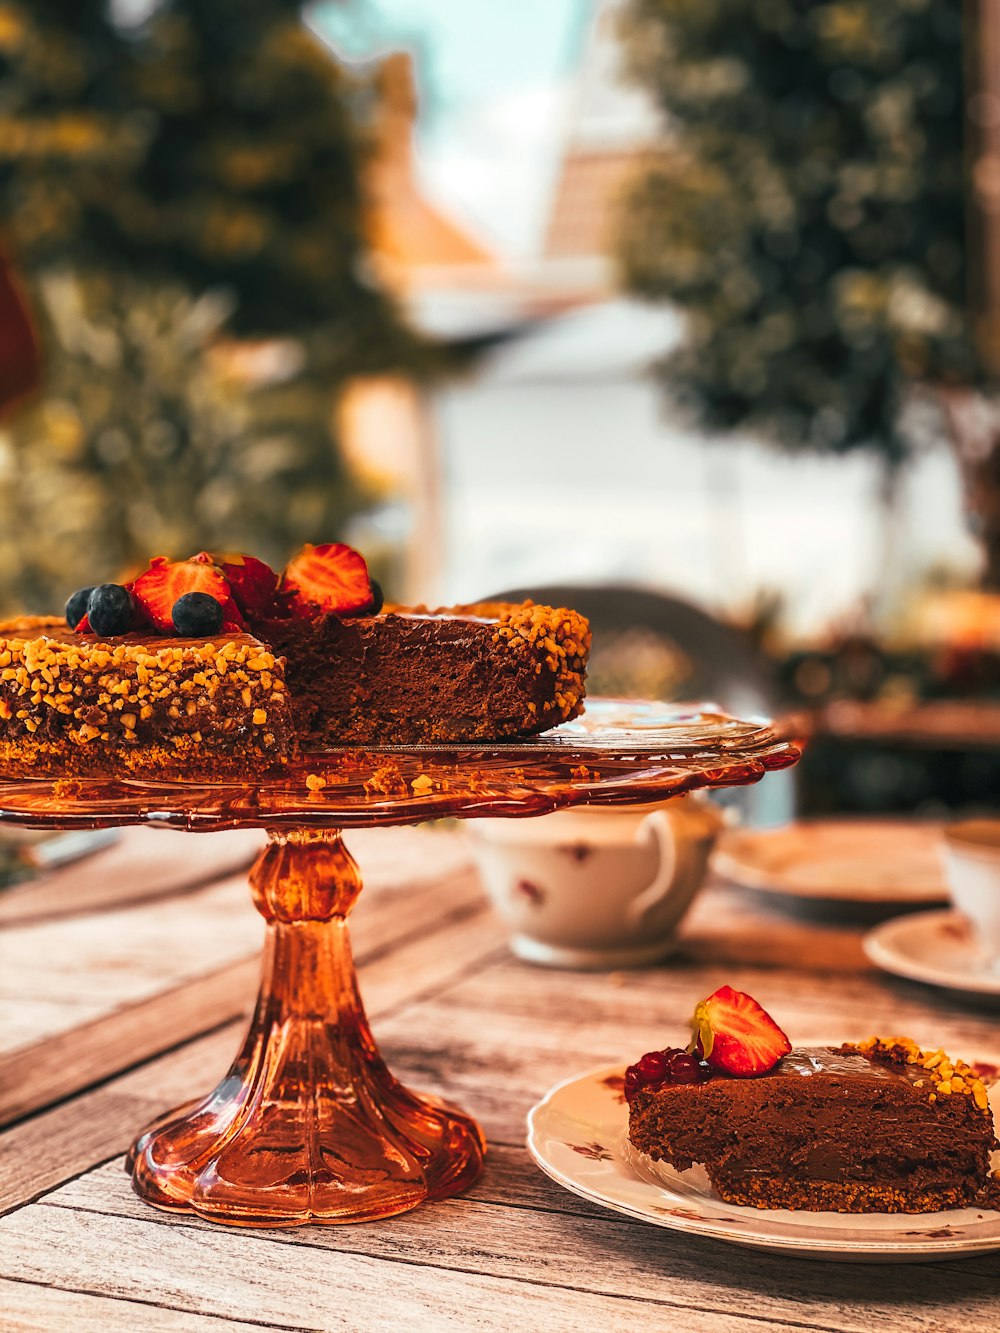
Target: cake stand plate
[(578, 1135), (309, 1125)]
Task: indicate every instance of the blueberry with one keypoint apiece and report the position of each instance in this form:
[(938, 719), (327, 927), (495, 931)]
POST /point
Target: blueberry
[(76, 607), (197, 614), (109, 609), (378, 598)]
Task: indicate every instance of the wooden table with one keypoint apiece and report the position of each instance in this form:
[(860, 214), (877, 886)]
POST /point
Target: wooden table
[(117, 1019)]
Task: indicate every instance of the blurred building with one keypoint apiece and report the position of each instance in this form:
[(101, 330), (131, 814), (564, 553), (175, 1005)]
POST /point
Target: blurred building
[(610, 130), (556, 458)]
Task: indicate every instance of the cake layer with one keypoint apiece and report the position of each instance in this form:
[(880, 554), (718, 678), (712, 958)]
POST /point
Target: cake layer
[(479, 672), (848, 1129), (76, 705)]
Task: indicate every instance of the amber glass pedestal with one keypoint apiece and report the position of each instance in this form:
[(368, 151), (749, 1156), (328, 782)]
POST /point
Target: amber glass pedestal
[(309, 1125)]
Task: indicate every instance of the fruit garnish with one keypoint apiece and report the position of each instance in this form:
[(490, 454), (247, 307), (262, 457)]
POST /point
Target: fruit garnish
[(166, 581), (657, 1068), (378, 598), (197, 614), (109, 609), (76, 607), (331, 577), (254, 584), (733, 1033)]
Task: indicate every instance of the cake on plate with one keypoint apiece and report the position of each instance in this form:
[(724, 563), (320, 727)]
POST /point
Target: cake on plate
[(217, 666), (877, 1126)]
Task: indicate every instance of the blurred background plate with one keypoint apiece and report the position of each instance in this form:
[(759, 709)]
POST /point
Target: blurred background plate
[(937, 948), (838, 860), (25, 854)]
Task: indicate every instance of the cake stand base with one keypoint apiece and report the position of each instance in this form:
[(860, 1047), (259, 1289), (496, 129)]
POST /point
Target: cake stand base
[(308, 1125)]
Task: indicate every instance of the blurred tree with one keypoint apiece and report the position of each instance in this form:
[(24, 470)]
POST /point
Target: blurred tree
[(807, 212), (167, 186)]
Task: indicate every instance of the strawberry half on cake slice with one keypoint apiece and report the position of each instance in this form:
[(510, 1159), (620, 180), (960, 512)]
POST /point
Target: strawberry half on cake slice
[(874, 1126)]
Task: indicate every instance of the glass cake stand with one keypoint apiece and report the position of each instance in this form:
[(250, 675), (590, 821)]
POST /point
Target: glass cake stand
[(309, 1125)]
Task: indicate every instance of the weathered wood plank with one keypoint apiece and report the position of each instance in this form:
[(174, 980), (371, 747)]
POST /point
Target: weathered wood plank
[(30, 1308), (604, 1255), (144, 864), (42, 1072), (260, 1276), (48, 1148), (95, 1045), (802, 997), (51, 1070), (126, 955), (456, 1014)]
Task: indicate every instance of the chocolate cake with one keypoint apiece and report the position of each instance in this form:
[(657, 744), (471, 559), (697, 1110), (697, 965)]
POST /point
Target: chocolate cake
[(257, 669), (74, 705), (480, 672), (877, 1127)]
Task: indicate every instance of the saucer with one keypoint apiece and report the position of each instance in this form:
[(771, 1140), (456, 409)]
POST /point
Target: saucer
[(846, 860), (578, 1135), (934, 947)]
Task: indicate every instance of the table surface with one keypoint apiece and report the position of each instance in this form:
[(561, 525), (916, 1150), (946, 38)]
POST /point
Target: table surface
[(125, 983)]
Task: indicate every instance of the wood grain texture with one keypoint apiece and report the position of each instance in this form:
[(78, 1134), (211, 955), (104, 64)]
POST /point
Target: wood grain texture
[(588, 1255), (325, 1284), (47, 1149), (142, 865), (455, 1014), (47, 1071), (84, 998), (29, 1307)]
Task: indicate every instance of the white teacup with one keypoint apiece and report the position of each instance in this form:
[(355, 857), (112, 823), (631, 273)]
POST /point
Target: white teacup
[(597, 886), (971, 852)]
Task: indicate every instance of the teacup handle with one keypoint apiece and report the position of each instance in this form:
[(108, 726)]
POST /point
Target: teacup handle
[(658, 827)]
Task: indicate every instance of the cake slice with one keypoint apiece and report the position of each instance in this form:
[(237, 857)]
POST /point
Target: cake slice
[(487, 671), (876, 1127), (131, 705)]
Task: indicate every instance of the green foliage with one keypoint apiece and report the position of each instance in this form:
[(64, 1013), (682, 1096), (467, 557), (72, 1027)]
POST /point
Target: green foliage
[(166, 188), (806, 210)]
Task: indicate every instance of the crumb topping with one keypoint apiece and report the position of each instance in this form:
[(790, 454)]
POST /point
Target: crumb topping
[(386, 780), (945, 1077), (102, 686), (561, 637)]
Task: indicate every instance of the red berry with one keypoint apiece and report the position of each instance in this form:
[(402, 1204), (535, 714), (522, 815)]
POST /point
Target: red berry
[(254, 584), (672, 1065), (736, 1035), (332, 577), (633, 1082), (684, 1068), (653, 1066), (159, 587)]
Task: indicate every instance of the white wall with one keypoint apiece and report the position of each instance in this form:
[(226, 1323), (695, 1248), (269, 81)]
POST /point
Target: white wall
[(548, 480)]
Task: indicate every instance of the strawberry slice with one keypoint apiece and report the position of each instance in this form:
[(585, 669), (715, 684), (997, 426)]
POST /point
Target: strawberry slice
[(733, 1033), (254, 584), (331, 577), (157, 589)]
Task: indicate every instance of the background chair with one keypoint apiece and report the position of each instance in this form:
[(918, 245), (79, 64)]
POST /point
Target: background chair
[(654, 645)]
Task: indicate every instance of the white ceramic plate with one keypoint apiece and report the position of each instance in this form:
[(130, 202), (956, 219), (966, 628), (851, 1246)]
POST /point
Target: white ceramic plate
[(838, 860), (936, 947), (578, 1135)]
